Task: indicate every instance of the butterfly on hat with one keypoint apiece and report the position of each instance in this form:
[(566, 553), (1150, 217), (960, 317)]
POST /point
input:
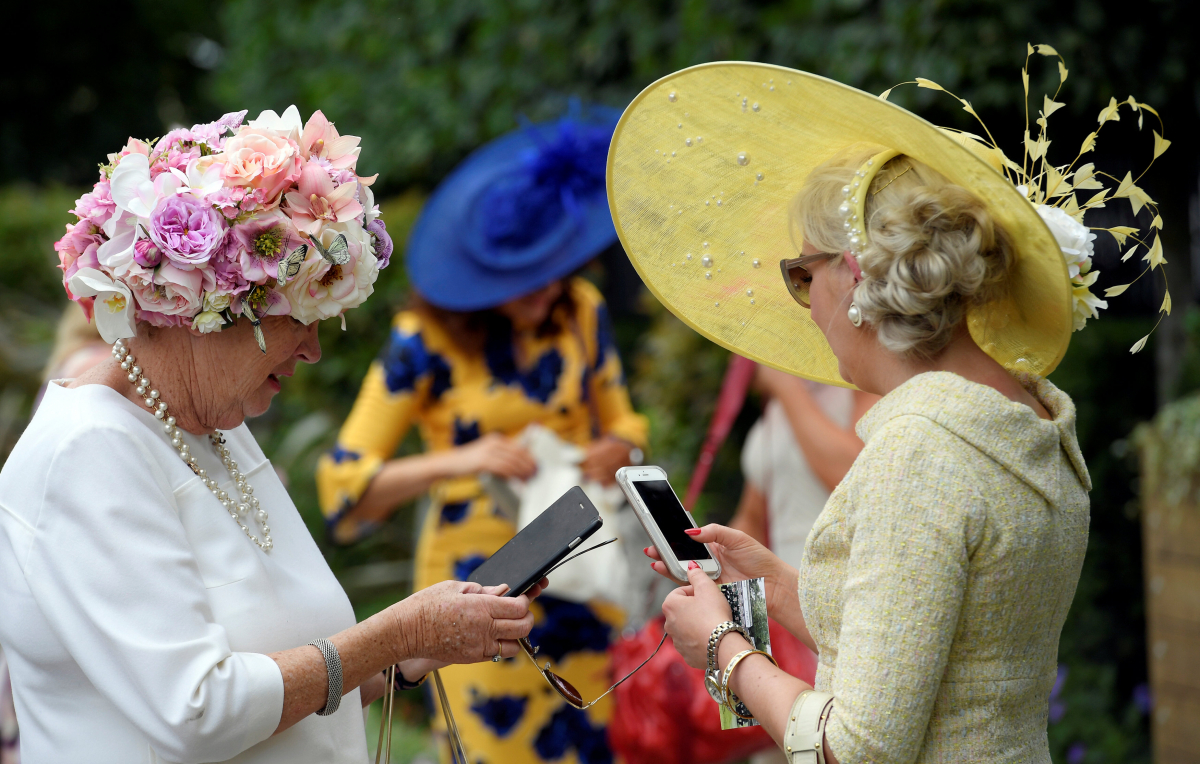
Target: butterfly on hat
[(338, 253)]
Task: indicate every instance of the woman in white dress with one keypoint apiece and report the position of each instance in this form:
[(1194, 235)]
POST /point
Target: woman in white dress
[(162, 598), (142, 624)]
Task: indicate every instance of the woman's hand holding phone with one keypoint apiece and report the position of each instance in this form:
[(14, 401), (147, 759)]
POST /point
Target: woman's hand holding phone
[(741, 558), (693, 611)]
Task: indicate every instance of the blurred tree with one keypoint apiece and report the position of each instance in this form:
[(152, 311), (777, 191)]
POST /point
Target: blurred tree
[(90, 74), (432, 79), (31, 297)]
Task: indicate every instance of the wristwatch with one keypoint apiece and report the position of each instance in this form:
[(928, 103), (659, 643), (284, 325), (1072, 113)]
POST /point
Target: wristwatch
[(712, 674)]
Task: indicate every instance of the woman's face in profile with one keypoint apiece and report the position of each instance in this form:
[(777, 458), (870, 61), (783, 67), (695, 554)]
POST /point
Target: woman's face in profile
[(237, 378)]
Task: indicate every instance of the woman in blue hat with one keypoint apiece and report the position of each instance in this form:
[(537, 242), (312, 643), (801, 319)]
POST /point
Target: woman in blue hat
[(500, 336)]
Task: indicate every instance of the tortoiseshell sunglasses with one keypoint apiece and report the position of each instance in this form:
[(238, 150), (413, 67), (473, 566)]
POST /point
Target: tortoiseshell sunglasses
[(797, 276)]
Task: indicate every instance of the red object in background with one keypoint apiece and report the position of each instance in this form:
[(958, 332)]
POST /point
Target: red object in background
[(738, 376), (663, 714)]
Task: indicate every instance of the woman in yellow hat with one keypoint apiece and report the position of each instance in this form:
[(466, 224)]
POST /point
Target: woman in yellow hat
[(940, 275)]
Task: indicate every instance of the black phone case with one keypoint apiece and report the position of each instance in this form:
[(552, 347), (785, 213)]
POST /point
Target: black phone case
[(542, 544)]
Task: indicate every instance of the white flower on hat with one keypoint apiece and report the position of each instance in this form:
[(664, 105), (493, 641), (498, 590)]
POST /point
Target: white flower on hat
[(288, 124), (1074, 238), (208, 321), (113, 309), (321, 290), (217, 302)]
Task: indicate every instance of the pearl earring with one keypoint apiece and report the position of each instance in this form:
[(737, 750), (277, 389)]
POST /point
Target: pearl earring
[(854, 314)]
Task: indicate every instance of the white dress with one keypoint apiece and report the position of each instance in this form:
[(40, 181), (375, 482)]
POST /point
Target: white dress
[(135, 614), (773, 463)]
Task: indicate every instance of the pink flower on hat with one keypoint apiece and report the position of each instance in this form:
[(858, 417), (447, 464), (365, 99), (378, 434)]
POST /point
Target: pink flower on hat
[(77, 249), (260, 158), (187, 232), (318, 202), (186, 229), (167, 295)]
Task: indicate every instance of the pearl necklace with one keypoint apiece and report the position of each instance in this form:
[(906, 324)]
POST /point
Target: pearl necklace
[(248, 507)]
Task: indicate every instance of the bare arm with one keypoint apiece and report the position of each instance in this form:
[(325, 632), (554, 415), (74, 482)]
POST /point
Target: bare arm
[(741, 558), (692, 611), (450, 622), (401, 480), (408, 477), (751, 515), (768, 692), (828, 448)]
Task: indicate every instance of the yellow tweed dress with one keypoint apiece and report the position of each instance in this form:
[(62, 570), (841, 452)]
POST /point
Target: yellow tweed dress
[(505, 711), (938, 577)]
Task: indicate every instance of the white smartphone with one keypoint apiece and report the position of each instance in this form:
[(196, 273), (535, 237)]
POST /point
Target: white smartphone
[(665, 520)]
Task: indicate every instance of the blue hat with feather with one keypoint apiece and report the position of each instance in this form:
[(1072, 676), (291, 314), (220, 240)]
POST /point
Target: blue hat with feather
[(519, 212)]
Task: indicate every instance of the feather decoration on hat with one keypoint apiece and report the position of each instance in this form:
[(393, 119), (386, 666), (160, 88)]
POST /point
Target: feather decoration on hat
[(1064, 194)]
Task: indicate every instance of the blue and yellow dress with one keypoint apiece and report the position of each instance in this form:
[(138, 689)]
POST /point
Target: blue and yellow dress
[(505, 711)]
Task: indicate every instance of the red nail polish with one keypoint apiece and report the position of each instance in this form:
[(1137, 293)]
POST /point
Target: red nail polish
[(692, 531), (646, 551), (692, 565)]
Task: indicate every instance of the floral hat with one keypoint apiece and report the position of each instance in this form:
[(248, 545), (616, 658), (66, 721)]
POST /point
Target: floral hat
[(705, 163), (223, 220)]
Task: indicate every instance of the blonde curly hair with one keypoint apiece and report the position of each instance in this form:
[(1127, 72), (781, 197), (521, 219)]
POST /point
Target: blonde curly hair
[(933, 250)]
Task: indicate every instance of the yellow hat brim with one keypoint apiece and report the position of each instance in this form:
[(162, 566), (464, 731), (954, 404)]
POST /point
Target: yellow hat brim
[(675, 204)]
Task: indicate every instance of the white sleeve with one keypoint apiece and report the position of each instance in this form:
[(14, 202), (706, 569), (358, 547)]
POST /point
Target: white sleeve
[(754, 454), (113, 573)]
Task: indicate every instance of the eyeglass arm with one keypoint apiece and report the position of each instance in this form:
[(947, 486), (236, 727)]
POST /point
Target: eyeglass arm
[(631, 673), (580, 552)]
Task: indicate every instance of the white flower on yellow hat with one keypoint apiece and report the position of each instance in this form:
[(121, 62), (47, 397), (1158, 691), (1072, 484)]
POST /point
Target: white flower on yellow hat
[(1074, 238)]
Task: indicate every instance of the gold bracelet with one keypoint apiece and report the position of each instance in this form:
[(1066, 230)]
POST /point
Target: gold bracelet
[(732, 705)]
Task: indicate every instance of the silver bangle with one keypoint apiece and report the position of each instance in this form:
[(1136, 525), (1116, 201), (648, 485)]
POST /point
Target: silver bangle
[(333, 667)]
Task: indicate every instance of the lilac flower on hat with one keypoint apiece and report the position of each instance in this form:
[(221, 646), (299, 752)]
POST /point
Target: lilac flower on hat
[(261, 242), (186, 229), (383, 242)]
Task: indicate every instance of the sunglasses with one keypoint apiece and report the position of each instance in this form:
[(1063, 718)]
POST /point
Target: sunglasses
[(565, 689), (797, 276)]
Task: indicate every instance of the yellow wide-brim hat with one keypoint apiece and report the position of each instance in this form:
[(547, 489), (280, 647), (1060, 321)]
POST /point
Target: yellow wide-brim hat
[(702, 170)]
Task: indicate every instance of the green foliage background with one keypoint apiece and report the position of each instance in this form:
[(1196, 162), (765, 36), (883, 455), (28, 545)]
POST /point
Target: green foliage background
[(426, 81)]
